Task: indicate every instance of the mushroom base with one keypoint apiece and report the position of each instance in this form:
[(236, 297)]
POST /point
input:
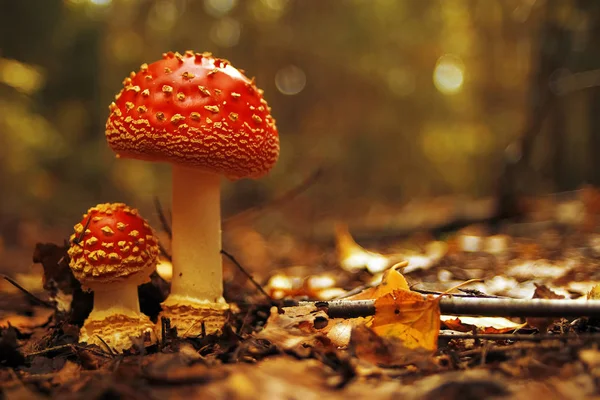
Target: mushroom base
[(189, 317), (118, 331)]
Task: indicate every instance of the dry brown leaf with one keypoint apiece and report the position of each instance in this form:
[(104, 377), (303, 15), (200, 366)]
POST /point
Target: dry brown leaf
[(340, 331), (68, 373), (410, 317), (369, 346), (543, 292), (295, 329)]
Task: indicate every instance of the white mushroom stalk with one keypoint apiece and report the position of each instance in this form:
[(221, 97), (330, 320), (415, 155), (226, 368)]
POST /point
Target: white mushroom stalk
[(196, 242), (119, 299)]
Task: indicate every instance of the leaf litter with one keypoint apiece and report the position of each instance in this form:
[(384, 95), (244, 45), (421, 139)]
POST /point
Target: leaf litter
[(273, 347)]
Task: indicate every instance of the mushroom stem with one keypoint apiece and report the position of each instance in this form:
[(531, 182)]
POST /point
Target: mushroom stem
[(196, 242), (120, 299)]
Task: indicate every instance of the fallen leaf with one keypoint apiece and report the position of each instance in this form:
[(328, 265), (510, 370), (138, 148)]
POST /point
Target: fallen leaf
[(410, 317), (340, 332), (354, 258), (180, 369), (383, 351), (543, 292), (594, 293), (482, 324), (433, 253), (69, 372), (296, 329)]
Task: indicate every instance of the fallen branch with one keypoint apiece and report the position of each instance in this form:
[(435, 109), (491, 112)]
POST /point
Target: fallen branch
[(475, 306), (518, 336)]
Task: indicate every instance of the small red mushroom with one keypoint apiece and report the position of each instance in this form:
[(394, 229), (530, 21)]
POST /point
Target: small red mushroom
[(208, 120), (113, 250)]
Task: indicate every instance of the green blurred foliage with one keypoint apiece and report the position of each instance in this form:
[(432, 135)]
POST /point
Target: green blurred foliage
[(397, 99)]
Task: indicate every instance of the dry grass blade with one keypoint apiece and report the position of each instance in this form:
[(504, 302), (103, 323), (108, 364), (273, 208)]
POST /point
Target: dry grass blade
[(161, 216), (286, 197), (239, 266), (28, 293)]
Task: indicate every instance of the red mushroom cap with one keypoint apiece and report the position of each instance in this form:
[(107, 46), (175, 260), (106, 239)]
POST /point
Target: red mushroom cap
[(194, 110), (112, 243)]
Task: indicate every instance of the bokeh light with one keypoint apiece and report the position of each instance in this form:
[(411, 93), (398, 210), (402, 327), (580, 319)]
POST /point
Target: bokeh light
[(268, 10), (226, 32), (219, 8), (448, 75), (25, 78), (163, 16), (126, 47), (290, 80), (401, 81)]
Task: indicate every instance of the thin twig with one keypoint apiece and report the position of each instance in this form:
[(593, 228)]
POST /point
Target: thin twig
[(518, 336), (436, 293), (163, 219), (237, 264), (28, 293), (284, 198), (71, 347)]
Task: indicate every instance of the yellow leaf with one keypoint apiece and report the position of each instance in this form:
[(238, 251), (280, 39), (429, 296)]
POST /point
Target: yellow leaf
[(353, 257), (410, 317), (594, 294), (391, 280)]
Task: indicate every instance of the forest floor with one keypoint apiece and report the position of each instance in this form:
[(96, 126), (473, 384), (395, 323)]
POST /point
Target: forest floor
[(274, 347)]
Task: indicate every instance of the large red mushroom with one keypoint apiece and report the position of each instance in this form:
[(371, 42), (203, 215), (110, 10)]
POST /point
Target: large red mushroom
[(208, 120)]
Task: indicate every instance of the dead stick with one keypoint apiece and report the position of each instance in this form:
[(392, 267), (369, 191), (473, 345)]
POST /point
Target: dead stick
[(518, 336), (475, 306)]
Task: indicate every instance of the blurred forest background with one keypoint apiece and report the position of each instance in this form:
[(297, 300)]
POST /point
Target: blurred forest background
[(398, 101)]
